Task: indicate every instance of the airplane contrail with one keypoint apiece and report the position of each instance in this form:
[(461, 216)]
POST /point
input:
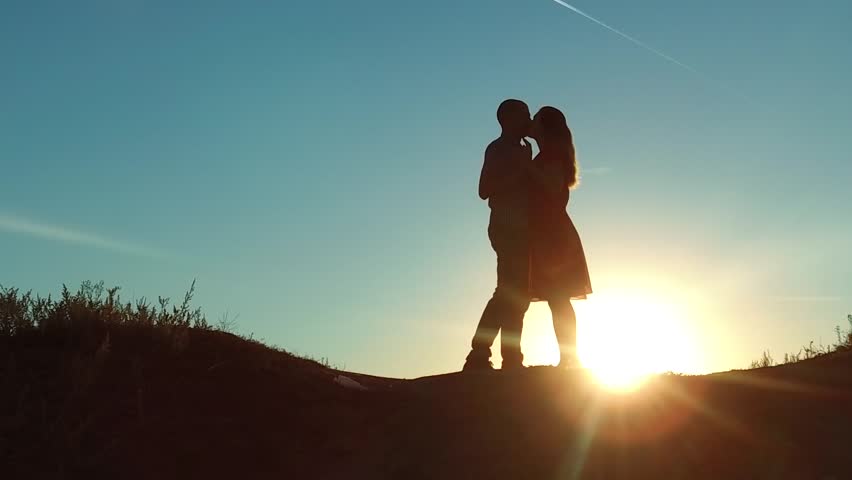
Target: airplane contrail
[(628, 37), (23, 226)]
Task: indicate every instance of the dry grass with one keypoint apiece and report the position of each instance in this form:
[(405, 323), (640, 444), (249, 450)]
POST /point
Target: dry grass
[(811, 350), (85, 375), (92, 308)]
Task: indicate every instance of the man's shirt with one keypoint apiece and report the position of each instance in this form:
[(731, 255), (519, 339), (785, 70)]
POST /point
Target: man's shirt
[(505, 182)]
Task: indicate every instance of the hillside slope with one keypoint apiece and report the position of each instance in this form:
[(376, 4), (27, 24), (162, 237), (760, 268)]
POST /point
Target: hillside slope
[(204, 404)]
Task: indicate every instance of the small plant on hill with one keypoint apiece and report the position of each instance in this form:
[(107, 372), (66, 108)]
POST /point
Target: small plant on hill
[(91, 307), (844, 344), (765, 360), (844, 338)]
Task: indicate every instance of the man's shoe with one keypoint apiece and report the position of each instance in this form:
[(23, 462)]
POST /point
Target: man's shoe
[(477, 365)]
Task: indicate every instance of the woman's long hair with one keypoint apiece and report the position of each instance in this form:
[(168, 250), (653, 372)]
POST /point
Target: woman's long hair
[(556, 134)]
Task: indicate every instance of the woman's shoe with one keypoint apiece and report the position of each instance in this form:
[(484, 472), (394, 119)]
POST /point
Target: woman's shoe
[(512, 367)]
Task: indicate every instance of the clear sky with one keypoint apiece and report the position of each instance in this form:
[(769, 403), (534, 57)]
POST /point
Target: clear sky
[(315, 166)]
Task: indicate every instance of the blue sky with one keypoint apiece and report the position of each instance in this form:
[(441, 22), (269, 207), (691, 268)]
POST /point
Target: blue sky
[(314, 164)]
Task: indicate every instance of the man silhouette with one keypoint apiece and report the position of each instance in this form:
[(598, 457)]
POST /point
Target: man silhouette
[(505, 184)]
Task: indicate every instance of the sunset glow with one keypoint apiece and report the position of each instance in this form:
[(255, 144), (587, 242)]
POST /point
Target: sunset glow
[(624, 337)]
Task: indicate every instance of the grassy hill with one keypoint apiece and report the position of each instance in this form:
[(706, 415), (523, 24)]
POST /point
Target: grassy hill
[(92, 388)]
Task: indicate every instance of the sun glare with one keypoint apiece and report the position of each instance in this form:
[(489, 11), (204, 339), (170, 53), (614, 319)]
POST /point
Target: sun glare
[(623, 338)]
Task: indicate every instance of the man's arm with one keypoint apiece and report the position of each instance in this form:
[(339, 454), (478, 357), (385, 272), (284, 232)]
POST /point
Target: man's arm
[(495, 177)]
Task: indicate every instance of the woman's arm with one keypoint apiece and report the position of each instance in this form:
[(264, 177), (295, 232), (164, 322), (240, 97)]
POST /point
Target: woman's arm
[(548, 177)]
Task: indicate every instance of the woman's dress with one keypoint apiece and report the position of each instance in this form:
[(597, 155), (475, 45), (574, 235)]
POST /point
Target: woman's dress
[(557, 260)]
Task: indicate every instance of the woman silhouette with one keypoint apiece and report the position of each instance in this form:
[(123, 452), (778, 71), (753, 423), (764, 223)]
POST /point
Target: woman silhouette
[(558, 270)]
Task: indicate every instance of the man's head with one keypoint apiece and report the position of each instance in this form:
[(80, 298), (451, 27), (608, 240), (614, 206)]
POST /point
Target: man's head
[(514, 117)]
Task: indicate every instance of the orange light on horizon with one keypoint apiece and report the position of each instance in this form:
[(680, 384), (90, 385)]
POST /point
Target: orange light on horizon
[(624, 337)]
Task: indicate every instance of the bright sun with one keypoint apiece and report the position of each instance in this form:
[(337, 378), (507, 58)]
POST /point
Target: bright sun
[(623, 338)]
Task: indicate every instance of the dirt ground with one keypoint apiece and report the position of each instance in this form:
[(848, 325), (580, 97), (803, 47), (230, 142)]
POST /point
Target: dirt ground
[(212, 405)]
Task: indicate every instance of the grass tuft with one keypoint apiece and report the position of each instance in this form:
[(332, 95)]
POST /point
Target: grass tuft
[(811, 350)]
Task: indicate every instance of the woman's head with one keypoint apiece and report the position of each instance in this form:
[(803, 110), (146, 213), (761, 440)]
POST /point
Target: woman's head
[(551, 132), (549, 124)]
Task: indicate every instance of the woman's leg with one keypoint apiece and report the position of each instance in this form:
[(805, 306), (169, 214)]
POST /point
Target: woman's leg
[(565, 327)]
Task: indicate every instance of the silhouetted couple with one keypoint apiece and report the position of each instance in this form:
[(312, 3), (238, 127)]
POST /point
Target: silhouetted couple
[(539, 253)]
